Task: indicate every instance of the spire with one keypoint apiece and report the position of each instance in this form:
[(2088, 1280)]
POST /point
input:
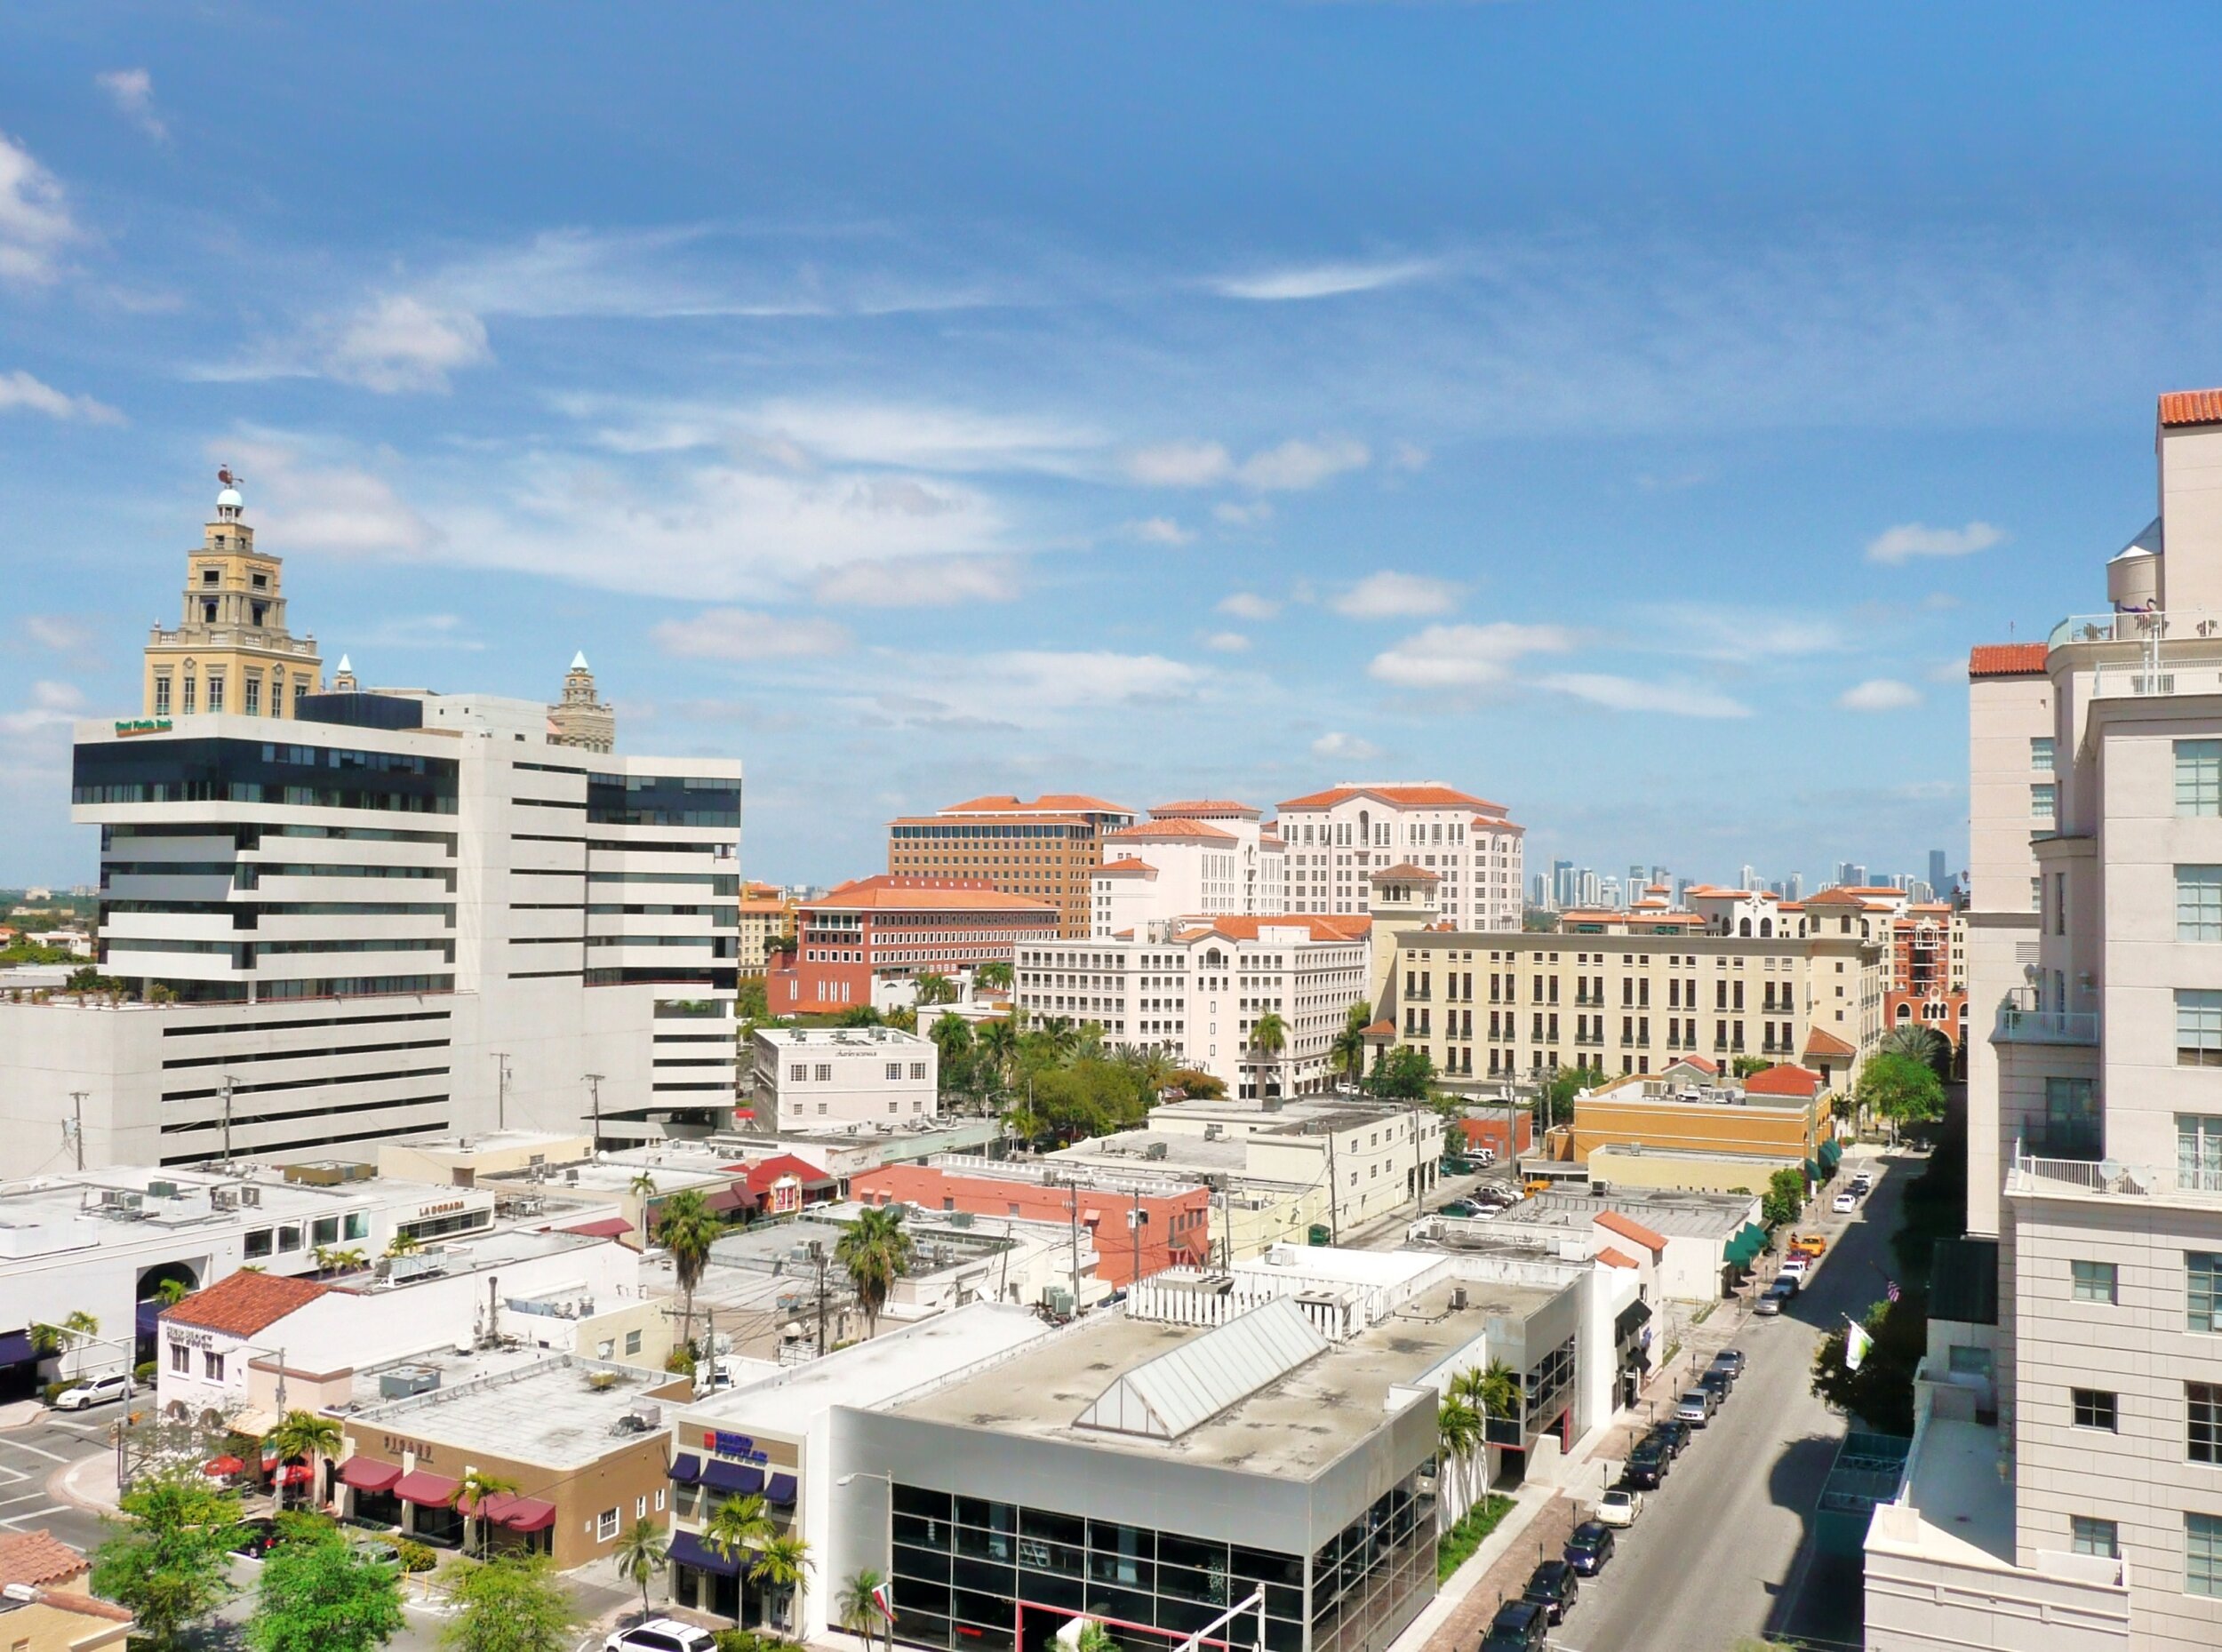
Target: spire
[(578, 661), (345, 664)]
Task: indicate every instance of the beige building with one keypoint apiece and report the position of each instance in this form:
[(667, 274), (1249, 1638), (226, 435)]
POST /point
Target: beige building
[(766, 917), (1047, 849), (230, 650), (580, 718)]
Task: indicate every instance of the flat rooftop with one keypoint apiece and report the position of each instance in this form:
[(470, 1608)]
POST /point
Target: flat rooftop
[(71, 1205), (868, 1374), (1293, 1427), (1674, 1214), (838, 1037), (591, 1177), (1132, 1150), (1967, 1512), (1328, 1113), (547, 1412)]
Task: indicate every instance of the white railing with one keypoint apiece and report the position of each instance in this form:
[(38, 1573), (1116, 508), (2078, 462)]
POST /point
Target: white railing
[(2175, 626), (2112, 1178), (2016, 1026)]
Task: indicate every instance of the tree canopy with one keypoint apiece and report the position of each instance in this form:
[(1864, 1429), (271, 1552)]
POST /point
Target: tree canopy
[(876, 1250), (1901, 1090), (511, 1603), (320, 1593), (1784, 1198), (166, 1555), (1404, 1073)]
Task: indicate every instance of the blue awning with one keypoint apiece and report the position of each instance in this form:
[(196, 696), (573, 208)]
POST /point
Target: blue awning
[(781, 1490), (149, 1318), (739, 1477), (15, 1349), (688, 1550), (686, 1468)]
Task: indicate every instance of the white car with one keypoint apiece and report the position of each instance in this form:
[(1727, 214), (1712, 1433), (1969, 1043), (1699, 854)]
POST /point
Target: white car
[(660, 1635), (1619, 1507), (1844, 1204), (93, 1390), (1794, 1268)]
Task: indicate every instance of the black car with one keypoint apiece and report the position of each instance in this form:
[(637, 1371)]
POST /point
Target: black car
[(1523, 1626), (1718, 1383), (1671, 1434), (1646, 1466), (1589, 1548), (1552, 1586)]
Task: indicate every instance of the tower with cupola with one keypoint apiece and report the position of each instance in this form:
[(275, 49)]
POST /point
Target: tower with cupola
[(231, 651)]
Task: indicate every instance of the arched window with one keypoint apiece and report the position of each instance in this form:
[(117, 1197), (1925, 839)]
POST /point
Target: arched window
[(1743, 928)]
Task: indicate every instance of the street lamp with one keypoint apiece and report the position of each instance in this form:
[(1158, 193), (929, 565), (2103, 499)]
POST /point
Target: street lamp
[(889, 1482)]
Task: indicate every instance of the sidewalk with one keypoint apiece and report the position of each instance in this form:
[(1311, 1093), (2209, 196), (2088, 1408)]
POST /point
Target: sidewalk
[(87, 1483)]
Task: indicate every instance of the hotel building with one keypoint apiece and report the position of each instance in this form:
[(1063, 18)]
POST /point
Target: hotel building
[(900, 926), (1044, 851), (1337, 839)]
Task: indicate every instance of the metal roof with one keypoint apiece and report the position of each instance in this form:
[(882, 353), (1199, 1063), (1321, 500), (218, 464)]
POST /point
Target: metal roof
[(1165, 1397)]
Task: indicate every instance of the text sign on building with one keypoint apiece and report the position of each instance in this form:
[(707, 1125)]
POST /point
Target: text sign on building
[(142, 725)]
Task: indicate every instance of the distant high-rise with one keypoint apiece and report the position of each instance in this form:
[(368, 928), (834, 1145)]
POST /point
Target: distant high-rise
[(1851, 874), (1938, 878), (1540, 892), (1746, 877), (1682, 892), (1793, 887), (1564, 890)]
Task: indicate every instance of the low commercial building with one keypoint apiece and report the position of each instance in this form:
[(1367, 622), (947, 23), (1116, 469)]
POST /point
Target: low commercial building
[(845, 1152), (1695, 1241), (1682, 1129), (1376, 1156), (809, 1077), (582, 1440), (46, 1603), (1248, 1213)]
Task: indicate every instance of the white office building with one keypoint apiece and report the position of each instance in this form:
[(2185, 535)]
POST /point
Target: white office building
[(1337, 839), (1204, 858), (807, 1078)]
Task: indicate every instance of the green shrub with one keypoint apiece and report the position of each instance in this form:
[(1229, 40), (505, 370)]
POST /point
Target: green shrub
[(1457, 1545), (143, 1374), (53, 1391), (415, 1557)]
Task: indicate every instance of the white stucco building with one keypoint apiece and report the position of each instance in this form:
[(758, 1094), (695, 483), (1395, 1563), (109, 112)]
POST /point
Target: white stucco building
[(806, 1078), (1202, 859), (1337, 839)]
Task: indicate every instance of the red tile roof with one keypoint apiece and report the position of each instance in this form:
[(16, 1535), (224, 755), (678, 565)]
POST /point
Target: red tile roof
[(763, 1174), (39, 1558), (1628, 1227), (1612, 1257), (1406, 870), (1428, 796), (1784, 1081), (2191, 407), (1322, 927), (1129, 867), (1698, 1062), (1821, 1043), (2007, 659), (1218, 807), (888, 891), (242, 1303), (1174, 830), (86, 1605), (1048, 802)]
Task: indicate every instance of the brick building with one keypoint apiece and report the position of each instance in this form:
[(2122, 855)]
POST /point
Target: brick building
[(1046, 851), (891, 925)]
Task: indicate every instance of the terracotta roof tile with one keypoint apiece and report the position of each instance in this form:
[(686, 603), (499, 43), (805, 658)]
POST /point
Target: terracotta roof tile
[(2007, 659), (888, 891), (1428, 796), (1628, 1227), (39, 1558), (1406, 870), (1784, 1081), (1823, 1043), (1128, 867), (2191, 407), (86, 1605), (1218, 808), (1193, 830), (1612, 1257), (1320, 926), (242, 1303)]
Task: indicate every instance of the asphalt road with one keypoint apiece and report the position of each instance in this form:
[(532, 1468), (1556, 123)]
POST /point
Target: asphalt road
[(1720, 1550), (30, 1455)]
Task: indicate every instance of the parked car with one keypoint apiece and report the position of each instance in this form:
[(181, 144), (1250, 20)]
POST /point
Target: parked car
[(1696, 1408), (1808, 1245), (1554, 1586), (660, 1635), (1717, 1384), (1620, 1507), (1726, 1373), (1459, 1207), (1863, 1182), (1794, 1267), (1523, 1626), (1645, 1468), (1775, 1298), (383, 1551), (93, 1390), (252, 1539), (1844, 1204), (1495, 1193), (1483, 1155), (1730, 1360), (1589, 1548), (1673, 1435)]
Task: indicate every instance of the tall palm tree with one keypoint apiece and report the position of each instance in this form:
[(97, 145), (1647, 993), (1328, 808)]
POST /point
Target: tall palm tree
[(1923, 1042), (470, 1496), (857, 1607), (995, 973), (307, 1436), (686, 1228), (1269, 1037), (404, 1245), (1458, 1434), (640, 1553), (876, 1250), (642, 1186), (783, 1566), (76, 1325), (1350, 1042), (934, 988), (998, 1041), (738, 1526)]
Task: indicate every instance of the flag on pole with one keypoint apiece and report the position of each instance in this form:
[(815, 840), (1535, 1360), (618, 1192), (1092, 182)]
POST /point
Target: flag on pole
[(1892, 1292), (884, 1598), (1857, 1342)]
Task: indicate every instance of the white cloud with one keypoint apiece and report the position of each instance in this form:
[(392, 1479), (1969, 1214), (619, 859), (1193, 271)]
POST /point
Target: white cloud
[(1160, 531), (1465, 656), (1248, 605), (921, 582), (1322, 281), (51, 696), (1227, 642), (1912, 538), (35, 221), (1238, 515), (327, 506), (741, 634), (417, 631), (1716, 632), (56, 632), (398, 342), (132, 92), (1297, 465), (20, 391), (1670, 699), (1345, 747), (1409, 456), (1880, 694), (1392, 595), (1094, 678), (921, 437), (1179, 465)]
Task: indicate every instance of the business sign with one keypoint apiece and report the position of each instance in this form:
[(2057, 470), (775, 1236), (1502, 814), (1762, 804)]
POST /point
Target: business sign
[(142, 725)]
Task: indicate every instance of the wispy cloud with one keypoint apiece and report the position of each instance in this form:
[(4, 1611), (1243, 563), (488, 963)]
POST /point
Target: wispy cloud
[(35, 221), (1293, 466), (1880, 694), (1725, 630), (322, 505), (1665, 699), (1248, 605), (398, 342), (1465, 656), (1181, 465), (1910, 539), (1323, 281), (132, 92), (743, 635), (921, 582), (58, 632), (1161, 531), (447, 632), (1345, 747), (21, 392), (1391, 595), (1227, 642)]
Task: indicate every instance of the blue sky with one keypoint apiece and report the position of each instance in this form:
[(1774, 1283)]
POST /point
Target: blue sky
[(1630, 413)]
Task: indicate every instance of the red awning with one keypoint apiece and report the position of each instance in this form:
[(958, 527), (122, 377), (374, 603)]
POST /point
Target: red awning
[(296, 1475), (731, 1197), (426, 1491), (521, 1514), (364, 1475), (216, 1468), (608, 1228)]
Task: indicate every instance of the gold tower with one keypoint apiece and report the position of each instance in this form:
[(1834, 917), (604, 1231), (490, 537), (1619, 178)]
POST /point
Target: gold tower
[(231, 651)]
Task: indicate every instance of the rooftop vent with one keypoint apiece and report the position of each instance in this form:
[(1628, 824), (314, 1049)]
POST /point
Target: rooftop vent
[(405, 1381)]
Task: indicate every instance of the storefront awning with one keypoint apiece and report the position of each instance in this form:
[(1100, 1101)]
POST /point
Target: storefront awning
[(738, 1478), (519, 1513), (686, 1468), (780, 1491), (1745, 1244), (426, 1491), (608, 1228), (1832, 1155), (689, 1550), (732, 1196), (1631, 1320), (15, 1349), (364, 1475)]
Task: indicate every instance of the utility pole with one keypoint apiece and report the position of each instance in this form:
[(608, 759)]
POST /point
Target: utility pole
[(501, 1089), (817, 1255), (76, 1129), (227, 1094), (1134, 1226), (1071, 1205), (594, 1086), (1334, 1194)]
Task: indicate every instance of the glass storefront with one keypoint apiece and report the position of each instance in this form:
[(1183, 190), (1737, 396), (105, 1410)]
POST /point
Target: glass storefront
[(975, 1574)]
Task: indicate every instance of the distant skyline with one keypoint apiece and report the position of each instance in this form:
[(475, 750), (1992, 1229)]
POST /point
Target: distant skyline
[(1629, 413)]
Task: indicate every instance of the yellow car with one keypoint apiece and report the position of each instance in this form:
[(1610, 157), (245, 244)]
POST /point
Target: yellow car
[(1806, 1245)]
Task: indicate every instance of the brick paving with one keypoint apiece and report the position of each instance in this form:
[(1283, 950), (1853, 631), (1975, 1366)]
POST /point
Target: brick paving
[(1545, 1535)]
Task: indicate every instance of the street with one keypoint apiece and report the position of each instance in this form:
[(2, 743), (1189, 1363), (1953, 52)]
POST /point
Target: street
[(1719, 1550), (30, 1454)]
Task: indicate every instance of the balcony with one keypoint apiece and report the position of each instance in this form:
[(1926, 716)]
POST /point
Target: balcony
[(2108, 1179), (2016, 1026), (2175, 625)]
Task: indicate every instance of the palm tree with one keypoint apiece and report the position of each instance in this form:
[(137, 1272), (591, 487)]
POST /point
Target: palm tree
[(1350, 1042), (642, 1187), (1496, 1389), (686, 1229), (876, 1250), (470, 1496), (783, 1564), (76, 1325), (997, 973), (1924, 1043), (857, 1607), (738, 1526), (303, 1434), (170, 1292), (935, 989), (404, 1245), (998, 1041), (1458, 1434), (640, 1553), (1269, 1038)]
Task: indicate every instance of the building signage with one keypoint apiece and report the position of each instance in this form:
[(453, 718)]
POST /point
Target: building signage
[(448, 1208), (190, 1339), (395, 1444), (142, 725), (729, 1445)]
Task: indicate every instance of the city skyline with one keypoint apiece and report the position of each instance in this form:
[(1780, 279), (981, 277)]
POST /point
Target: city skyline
[(905, 470)]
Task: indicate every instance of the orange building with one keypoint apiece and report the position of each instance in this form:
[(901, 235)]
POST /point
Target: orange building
[(1136, 1234), (1782, 1113), (1046, 851), (900, 926)]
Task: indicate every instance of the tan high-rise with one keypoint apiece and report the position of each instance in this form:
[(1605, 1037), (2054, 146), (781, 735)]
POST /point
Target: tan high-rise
[(1048, 848), (231, 651)]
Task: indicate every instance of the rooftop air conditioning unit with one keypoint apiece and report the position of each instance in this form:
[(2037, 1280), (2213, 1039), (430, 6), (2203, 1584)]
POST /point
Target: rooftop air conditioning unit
[(405, 1381), (162, 1190), (251, 1197), (571, 1174), (1156, 1150), (648, 1414)]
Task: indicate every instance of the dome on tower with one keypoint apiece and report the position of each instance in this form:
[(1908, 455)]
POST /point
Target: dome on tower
[(229, 499)]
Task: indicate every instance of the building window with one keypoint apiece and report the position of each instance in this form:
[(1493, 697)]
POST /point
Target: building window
[(632, 1342), (258, 1243), (825, 1069), (2089, 1536), (918, 1069), (2040, 753), (2094, 1408), (188, 694), (254, 695), (162, 695), (2071, 1121), (2198, 1027), (215, 691), (2202, 1270), (2199, 777), (2199, 903), (2202, 1553), (2041, 800), (2199, 1151), (640, 1508), (2202, 1404), (2094, 1282), (660, 1499), (211, 1365), (181, 1358), (797, 1072), (605, 1526)]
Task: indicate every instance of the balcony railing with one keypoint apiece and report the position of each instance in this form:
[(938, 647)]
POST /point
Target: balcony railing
[(2109, 1178), (2175, 626), (2016, 1026)]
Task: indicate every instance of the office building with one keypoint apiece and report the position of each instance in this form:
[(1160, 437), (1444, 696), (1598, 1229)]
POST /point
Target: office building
[(1692, 1128), (766, 915), (1189, 860), (886, 925), (1939, 878), (807, 1078), (1044, 851), (1337, 838)]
